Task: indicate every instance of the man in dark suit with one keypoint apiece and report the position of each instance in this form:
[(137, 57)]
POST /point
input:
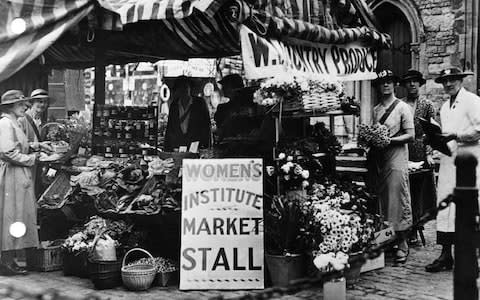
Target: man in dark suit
[(189, 118)]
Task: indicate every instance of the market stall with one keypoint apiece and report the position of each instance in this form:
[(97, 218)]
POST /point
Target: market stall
[(142, 193)]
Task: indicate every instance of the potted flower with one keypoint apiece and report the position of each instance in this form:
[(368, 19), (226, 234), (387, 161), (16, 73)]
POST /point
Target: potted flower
[(284, 240), (339, 229)]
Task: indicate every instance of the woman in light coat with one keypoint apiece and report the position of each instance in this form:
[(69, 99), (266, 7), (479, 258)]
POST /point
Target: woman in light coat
[(460, 119), (17, 200)]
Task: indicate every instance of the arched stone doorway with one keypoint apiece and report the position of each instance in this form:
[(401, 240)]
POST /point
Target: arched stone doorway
[(400, 19)]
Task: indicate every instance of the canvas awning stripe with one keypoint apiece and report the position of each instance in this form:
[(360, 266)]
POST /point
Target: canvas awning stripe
[(270, 26), (191, 37), (45, 21), (146, 10)]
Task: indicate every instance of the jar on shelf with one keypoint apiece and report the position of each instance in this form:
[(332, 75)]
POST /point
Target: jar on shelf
[(120, 134), (129, 112), (114, 112), (144, 112), (99, 112), (128, 131), (109, 151), (106, 111)]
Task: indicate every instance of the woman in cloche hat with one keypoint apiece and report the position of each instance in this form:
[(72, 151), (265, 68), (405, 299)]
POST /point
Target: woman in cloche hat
[(391, 167), (18, 215), (32, 124)]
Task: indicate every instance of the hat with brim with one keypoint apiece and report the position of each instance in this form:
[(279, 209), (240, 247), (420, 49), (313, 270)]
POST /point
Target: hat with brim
[(384, 76), (452, 73), (234, 80), (12, 97), (40, 94), (413, 75)]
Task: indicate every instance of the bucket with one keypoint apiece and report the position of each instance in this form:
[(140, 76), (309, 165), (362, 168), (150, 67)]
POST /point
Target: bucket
[(284, 268), (105, 274)]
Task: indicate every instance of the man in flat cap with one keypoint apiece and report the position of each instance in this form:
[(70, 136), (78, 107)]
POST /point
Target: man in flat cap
[(460, 119)]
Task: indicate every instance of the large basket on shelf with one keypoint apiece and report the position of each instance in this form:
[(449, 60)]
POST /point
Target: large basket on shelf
[(321, 101), (138, 277)]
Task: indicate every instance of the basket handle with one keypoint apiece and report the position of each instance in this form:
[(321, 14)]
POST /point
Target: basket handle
[(135, 249)]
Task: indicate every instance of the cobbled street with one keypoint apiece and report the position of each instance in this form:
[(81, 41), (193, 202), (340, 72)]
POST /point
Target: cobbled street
[(407, 282)]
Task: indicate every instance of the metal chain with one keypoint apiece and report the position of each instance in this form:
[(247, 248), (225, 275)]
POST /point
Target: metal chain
[(370, 253), (268, 293)]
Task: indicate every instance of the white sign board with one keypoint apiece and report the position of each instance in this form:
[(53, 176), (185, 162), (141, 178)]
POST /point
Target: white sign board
[(222, 224), (194, 67), (265, 58)]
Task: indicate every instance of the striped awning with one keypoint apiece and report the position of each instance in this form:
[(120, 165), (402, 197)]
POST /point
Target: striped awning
[(150, 30), (29, 27), (196, 36), (40, 24)]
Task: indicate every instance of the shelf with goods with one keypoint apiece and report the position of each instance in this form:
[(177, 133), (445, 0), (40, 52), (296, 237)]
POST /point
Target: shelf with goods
[(119, 131)]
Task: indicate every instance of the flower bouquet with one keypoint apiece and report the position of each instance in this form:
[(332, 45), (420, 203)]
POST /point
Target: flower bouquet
[(290, 171), (283, 88), (337, 227), (376, 135)]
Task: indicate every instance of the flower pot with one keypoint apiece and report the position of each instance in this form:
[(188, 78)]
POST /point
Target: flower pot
[(167, 278), (284, 268), (296, 195), (352, 273)]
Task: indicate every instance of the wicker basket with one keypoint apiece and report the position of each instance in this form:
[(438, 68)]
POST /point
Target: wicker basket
[(61, 187), (138, 277), (321, 102), (46, 259)]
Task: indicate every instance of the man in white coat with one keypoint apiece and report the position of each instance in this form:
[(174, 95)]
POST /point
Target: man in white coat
[(460, 120)]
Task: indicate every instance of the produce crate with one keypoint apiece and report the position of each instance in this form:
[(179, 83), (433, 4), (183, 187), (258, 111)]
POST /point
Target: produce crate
[(75, 265), (374, 264), (46, 259), (61, 187)]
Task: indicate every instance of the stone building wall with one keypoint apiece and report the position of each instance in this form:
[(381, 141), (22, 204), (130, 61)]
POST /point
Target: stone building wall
[(446, 41)]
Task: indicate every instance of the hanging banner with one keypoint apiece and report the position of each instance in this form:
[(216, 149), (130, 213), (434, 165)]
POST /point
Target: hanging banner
[(222, 224), (265, 58)]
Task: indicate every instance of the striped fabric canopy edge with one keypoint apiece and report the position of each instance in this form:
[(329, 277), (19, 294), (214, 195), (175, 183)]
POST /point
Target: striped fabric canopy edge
[(266, 25), (29, 27)]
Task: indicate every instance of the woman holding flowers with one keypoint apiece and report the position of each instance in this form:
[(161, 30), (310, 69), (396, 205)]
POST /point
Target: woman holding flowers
[(392, 184)]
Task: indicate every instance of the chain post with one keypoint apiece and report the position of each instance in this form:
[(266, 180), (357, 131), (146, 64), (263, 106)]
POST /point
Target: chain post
[(466, 194)]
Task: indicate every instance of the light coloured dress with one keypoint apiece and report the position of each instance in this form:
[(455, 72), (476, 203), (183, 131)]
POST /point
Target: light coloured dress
[(17, 200), (392, 183), (462, 118)]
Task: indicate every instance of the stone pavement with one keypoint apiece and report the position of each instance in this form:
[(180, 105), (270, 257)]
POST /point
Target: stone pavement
[(392, 282)]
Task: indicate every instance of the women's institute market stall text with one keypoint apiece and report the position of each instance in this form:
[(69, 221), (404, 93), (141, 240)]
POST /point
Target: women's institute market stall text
[(222, 224)]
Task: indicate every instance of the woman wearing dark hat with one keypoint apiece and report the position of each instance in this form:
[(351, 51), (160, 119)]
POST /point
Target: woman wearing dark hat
[(31, 124), (188, 119), (17, 199), (392, 182), (421, 108), (460, 119), (422, 186)]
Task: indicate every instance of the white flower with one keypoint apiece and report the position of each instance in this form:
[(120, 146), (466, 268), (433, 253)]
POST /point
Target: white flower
[(305, 183), (289, 158), (305, 174), (285, 168), (281, 156), (270, 170)]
